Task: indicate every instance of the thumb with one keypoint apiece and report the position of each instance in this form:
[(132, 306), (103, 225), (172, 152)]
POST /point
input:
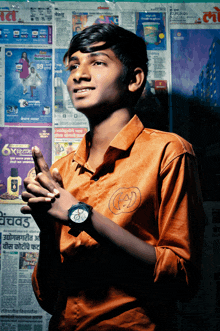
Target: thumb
[(57, 177)]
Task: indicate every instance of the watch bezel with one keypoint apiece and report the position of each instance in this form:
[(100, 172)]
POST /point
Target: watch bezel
[(84, 207)]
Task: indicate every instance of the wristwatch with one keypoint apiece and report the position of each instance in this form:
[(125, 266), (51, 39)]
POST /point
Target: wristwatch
[(79, 216)]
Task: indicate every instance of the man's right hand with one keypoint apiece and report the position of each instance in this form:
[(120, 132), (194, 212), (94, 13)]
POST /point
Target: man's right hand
[(38, 193)]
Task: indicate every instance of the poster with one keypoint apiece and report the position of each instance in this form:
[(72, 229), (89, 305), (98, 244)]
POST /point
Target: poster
[(196, 98), (16, 158), (152, 28), (28, 87), (195, 63)]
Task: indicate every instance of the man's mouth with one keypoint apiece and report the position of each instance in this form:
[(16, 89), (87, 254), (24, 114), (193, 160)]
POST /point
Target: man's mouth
[(81, 90)]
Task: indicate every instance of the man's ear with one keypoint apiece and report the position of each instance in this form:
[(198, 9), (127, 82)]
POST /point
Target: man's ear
[(137, 80)]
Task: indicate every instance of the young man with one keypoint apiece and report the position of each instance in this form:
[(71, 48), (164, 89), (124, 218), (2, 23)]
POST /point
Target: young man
[(121, 218)]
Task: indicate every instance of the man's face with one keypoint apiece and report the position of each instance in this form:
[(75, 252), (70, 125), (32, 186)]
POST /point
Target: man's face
[(95, 82)]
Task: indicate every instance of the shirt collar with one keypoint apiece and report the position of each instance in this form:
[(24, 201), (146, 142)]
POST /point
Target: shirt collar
[(122, 141), (125, 138), (82, 152)]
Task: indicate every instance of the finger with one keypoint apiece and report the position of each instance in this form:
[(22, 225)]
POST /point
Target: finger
[(26, 196), (29, 180), (40, 163), (26, 210), (32, 202), (48, 184), (39, 191), (57, 177)]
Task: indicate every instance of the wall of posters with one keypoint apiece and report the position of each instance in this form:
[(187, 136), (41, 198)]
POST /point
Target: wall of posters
[(181, 95)]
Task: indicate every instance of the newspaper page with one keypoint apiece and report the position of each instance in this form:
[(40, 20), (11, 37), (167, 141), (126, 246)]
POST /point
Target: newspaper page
[(70, 19), (19, 247), (26, 38), (64, 112), (151, 22), (195, 49), (195, 46)]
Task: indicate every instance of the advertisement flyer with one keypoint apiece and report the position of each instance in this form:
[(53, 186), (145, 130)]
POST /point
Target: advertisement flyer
[(25, 34), (16, 158), (63, 148), (28, 87), (65, 113), (67, 140), (83, 20), (152, 28)]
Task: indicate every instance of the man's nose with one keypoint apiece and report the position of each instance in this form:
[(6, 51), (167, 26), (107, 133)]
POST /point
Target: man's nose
[(82, 73)]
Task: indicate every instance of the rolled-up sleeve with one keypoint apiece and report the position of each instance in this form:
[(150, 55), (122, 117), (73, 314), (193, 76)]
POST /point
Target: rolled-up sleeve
[(180, 224)]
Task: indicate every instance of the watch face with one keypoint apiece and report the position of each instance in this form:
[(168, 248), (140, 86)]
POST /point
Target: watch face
[(79, 215)]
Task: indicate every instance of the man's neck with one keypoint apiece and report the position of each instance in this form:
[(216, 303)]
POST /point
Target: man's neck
[(104, 132)]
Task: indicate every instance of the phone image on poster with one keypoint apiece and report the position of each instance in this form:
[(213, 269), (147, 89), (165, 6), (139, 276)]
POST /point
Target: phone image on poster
[(28, 87)]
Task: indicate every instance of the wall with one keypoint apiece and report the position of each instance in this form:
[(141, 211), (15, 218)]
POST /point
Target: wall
[(181, 95)]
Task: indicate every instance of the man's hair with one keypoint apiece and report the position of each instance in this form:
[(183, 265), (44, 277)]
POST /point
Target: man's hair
[(127, 47)]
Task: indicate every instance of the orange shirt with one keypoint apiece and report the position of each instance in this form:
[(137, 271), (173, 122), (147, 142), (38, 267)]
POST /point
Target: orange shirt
[(148, 184)]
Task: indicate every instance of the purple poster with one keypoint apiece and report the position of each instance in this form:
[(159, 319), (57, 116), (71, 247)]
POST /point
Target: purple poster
[(195, 56), (16, 158)]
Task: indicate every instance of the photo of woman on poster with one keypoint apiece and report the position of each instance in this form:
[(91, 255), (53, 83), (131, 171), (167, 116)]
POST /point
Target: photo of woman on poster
[(25, 70)]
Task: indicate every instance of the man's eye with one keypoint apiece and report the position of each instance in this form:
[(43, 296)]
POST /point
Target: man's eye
[(99, 63), (72, 67)]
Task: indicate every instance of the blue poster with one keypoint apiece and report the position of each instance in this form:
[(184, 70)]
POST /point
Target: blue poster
[(195, 60), (152, 28), (25, 34), (28, 87)]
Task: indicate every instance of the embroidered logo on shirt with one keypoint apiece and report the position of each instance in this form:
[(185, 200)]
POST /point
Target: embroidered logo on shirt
[(125, 200)]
